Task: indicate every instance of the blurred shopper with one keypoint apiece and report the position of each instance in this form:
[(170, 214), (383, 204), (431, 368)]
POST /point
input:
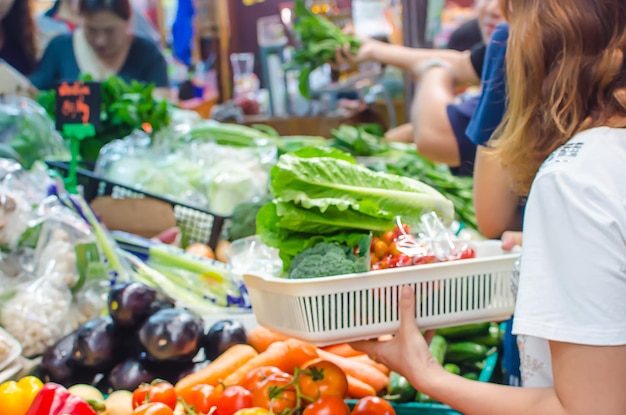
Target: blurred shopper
[(104, 46), (17, 42)]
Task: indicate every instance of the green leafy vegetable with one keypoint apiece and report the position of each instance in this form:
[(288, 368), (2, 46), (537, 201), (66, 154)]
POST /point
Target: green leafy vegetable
[(320, 39), (325, 259), (322, 195), (125, 107), (358, 140)]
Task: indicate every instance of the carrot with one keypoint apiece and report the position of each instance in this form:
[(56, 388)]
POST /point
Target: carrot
[(359, 370), (286, 356), (343, 349), (261, 338), (216, 371), (366, 359), (358, 389)]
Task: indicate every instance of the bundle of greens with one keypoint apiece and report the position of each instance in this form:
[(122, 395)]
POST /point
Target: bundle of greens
[(459, 190), (322, 195), (125, 107), (320, 39), (361, 140)]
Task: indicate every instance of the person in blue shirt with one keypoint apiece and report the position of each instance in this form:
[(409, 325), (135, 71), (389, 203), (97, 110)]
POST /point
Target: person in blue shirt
[(104, 46)]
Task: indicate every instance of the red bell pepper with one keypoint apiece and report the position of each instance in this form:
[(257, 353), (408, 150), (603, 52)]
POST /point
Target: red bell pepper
[(54, 399)]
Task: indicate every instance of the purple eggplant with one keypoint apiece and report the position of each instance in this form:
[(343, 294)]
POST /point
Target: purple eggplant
[(221, 336), (171, 335), (95, 346)]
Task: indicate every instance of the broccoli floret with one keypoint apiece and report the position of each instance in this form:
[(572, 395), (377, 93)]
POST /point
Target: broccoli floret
[(322, 260), (243, 220)]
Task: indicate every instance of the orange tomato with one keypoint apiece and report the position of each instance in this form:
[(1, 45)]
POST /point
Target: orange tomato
[(201, 397), (253, 411), (322, 378), (162, 392)]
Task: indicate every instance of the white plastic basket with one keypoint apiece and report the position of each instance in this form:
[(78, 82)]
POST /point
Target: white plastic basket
[(345, 308)]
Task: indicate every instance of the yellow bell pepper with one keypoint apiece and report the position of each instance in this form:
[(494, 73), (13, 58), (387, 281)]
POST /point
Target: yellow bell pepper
[(16, 397)]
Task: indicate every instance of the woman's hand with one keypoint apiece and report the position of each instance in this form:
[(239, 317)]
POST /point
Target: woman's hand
[(511, 239), (345, 58), (407, 353)]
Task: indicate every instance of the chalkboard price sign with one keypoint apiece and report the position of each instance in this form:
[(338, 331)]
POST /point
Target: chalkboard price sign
[(78, 103)]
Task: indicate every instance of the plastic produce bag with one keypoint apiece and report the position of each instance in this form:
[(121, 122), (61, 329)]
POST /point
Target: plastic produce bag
[(132, 161), (27, 133)]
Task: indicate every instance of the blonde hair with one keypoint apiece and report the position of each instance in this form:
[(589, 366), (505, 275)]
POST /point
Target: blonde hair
[(565, 73)]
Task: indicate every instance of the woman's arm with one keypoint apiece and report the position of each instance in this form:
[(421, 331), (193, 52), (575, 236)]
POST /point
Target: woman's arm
[(588, 379), (407, 58), (433, 132), (495, 203)]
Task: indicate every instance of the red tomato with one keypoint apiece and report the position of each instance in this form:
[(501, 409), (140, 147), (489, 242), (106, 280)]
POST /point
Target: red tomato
[(468, 253), (257, 376), (380, 249), (276, 393), (233, 399), (424, 259), (322, 378), (373, 405), (327, 405), (401, 260), (159, 391), (201, 397), (399, 231), (155, 408)]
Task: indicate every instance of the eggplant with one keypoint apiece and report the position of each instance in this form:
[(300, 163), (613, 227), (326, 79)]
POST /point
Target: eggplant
[(171, 335), (128, 375), (95, 346), (221, 336), (131, 303), (56, 363)]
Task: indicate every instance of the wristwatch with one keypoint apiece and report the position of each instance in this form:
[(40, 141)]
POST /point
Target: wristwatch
[(422, 68)]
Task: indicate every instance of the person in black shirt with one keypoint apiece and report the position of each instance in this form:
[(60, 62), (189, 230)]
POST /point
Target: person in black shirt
[(17, 42)]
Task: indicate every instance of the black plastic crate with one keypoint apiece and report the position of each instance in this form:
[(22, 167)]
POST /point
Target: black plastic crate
[(197, 225)]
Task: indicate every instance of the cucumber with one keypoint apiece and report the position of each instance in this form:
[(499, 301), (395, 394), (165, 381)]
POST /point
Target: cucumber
[(399, 389), (471, 376), (493, 338), (452, 368), (422, 397), (466, 352), (472, 366), (460, 332), (438, 347)]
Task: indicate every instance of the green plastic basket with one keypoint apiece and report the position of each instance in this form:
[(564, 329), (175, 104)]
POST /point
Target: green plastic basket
[(418, 408)]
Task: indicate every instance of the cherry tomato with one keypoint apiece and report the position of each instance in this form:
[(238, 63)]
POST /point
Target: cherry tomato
[(373, 243), (373, 260), (373, 405), (424, 259), (401, 260), (393, 249), (154, 408), (322, 378), (327, 405), (384, 263), (380, 249), (468, 253), (159, 391), (257, 376), (201, 397), (233, 399), (276, 393), (388, 237), (401, 230), (253, 411)]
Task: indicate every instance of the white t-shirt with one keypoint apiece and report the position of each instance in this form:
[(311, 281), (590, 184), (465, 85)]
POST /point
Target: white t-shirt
[(572, 284)]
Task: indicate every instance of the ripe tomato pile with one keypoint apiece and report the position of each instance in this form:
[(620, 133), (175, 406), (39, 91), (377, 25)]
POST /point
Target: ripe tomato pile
[(319, 388), (399, 248)]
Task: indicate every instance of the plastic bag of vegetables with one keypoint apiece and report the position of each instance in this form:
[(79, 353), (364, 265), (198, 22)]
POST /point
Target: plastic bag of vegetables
[(66, 281), (27, 134)]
